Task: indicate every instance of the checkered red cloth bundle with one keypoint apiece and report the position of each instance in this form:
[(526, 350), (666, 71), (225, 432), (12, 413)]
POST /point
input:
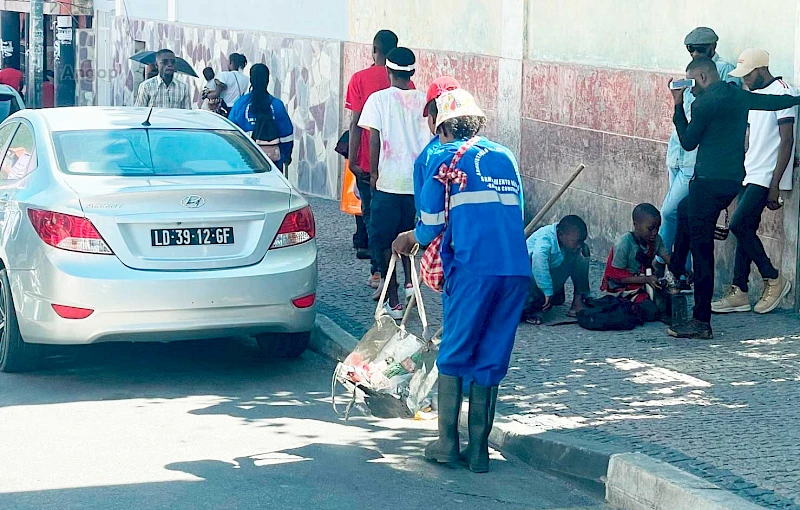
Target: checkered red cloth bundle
[(430, 266)]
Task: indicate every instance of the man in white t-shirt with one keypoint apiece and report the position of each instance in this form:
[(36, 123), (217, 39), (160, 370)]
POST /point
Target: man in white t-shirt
[(398, 134), (232, 84), (768, 164)]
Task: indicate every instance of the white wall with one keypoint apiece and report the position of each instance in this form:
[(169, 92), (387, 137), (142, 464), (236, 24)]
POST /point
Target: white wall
[(466, 26), (649, 34), (105, 5), (324, 19), (149, 9)]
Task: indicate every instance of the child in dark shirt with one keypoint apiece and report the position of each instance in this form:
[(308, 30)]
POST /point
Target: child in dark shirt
[(634, 253)]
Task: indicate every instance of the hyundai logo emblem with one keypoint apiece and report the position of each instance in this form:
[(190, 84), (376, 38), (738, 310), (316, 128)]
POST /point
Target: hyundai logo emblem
[(193, 201)]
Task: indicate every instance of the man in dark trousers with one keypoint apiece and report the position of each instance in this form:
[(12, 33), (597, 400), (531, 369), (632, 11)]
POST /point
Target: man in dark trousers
[(362, 85), (718, 129), (769, 163)]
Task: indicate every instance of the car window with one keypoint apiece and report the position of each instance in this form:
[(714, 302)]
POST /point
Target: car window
[(20, 157), (159, 152), (8, 106), (5, 135)]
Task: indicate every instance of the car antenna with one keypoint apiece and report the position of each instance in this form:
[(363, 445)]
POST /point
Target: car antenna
[(146, 122)]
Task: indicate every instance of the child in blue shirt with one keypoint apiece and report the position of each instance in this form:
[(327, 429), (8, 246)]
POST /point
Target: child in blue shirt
[(556, 255)]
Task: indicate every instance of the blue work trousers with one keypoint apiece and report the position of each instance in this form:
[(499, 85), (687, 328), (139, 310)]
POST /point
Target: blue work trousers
[(481, 315)]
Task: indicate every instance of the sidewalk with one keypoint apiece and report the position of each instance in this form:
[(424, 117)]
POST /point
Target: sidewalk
[(725, 410)]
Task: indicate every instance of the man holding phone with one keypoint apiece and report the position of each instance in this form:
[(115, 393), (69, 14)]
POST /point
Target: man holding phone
[(700, 42), (717, 130)]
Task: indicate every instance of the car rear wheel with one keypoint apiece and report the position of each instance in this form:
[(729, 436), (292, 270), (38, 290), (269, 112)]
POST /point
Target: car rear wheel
[(15, 354), (283, 345)]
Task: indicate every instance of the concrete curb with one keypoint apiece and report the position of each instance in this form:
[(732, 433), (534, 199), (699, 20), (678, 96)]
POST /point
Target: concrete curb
[(584, 462), (638, 482), (330, 340), (628, 481)]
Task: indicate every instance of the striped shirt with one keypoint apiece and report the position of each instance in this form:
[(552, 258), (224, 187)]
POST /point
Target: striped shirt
[(155, 93)]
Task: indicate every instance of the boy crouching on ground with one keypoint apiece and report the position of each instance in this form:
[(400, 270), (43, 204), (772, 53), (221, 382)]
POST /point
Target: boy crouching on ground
[(556, 254), (631, 257)]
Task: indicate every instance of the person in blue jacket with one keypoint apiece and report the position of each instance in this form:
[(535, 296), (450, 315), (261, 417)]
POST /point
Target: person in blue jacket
[(486, 270), (264, 117)]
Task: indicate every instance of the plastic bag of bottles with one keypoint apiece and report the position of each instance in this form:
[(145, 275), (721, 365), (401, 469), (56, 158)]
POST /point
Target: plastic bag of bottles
[(392, 369)]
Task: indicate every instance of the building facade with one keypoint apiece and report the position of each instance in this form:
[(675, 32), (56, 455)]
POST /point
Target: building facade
[(563, 83), (67, 27)]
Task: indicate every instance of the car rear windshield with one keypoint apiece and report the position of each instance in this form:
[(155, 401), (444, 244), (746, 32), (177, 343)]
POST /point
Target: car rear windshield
[(159, 152)]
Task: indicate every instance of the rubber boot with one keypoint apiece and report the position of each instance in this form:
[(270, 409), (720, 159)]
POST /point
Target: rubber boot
[(482, 404), (446, 448)]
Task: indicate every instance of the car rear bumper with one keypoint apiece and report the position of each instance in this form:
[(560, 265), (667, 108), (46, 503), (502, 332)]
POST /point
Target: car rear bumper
[(160, 306)]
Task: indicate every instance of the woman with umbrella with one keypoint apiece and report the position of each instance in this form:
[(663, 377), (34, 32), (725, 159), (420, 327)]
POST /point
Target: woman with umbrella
[(264, 117), (164, 91)]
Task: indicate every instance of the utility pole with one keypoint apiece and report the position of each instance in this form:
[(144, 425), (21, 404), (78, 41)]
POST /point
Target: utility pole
[(36, 54), (65, 72)]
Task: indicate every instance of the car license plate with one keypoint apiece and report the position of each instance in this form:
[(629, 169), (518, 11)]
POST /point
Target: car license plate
[(191, 236)]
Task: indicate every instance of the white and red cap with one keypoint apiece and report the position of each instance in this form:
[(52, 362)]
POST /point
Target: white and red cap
[(457, 103)]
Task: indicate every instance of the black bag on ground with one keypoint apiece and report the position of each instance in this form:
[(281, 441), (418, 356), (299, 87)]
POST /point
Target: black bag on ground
[(609, 313)]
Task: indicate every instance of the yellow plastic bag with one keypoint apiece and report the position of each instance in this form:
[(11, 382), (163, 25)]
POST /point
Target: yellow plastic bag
[(351, 202)]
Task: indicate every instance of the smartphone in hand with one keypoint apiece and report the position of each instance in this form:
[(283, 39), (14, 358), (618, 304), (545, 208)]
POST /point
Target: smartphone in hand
[(681, 84)]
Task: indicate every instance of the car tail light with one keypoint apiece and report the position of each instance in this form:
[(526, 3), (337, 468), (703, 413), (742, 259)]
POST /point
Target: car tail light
[(68, 232), (297, 228), (70, 312), (305, 301)]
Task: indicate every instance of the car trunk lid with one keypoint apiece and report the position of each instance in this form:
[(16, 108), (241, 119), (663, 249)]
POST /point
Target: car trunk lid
[(185, 223)]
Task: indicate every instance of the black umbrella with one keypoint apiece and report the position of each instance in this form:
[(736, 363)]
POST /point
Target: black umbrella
[(149, 58)]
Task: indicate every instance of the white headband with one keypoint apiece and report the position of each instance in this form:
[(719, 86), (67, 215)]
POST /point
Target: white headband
[(395, 67)]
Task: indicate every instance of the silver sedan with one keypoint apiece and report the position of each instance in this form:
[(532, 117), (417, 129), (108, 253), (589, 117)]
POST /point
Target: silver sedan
[(116, 226)]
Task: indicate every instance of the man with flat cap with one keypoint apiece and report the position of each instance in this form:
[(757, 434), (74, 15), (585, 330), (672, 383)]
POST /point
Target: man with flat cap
[(700, 42), (718, 130)]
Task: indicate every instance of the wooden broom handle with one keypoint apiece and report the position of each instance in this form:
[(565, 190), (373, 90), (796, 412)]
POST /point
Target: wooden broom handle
[(535, 221)]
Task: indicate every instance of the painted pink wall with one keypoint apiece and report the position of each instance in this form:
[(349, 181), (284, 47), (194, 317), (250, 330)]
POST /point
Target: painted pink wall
[(617, 123), (632, 103)]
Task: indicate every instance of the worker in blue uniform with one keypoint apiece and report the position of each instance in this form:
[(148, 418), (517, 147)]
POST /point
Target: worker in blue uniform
[(486, 272)]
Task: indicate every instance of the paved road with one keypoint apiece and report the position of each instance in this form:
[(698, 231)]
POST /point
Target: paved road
[(209, 425), (727, 410)]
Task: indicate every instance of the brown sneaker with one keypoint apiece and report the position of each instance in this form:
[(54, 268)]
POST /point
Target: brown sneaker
[(774, 292), (734, 300)]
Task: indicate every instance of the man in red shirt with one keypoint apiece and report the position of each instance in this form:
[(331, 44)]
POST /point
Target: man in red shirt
[(49, 90), (11, 76), (362, 85)]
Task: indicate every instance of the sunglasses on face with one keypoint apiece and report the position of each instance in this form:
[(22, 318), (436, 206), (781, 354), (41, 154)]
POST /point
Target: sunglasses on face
[(697, 48), (168, 61)]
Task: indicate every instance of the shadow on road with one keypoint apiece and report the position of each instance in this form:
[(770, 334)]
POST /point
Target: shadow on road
[(210, 424), (143, 370)]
